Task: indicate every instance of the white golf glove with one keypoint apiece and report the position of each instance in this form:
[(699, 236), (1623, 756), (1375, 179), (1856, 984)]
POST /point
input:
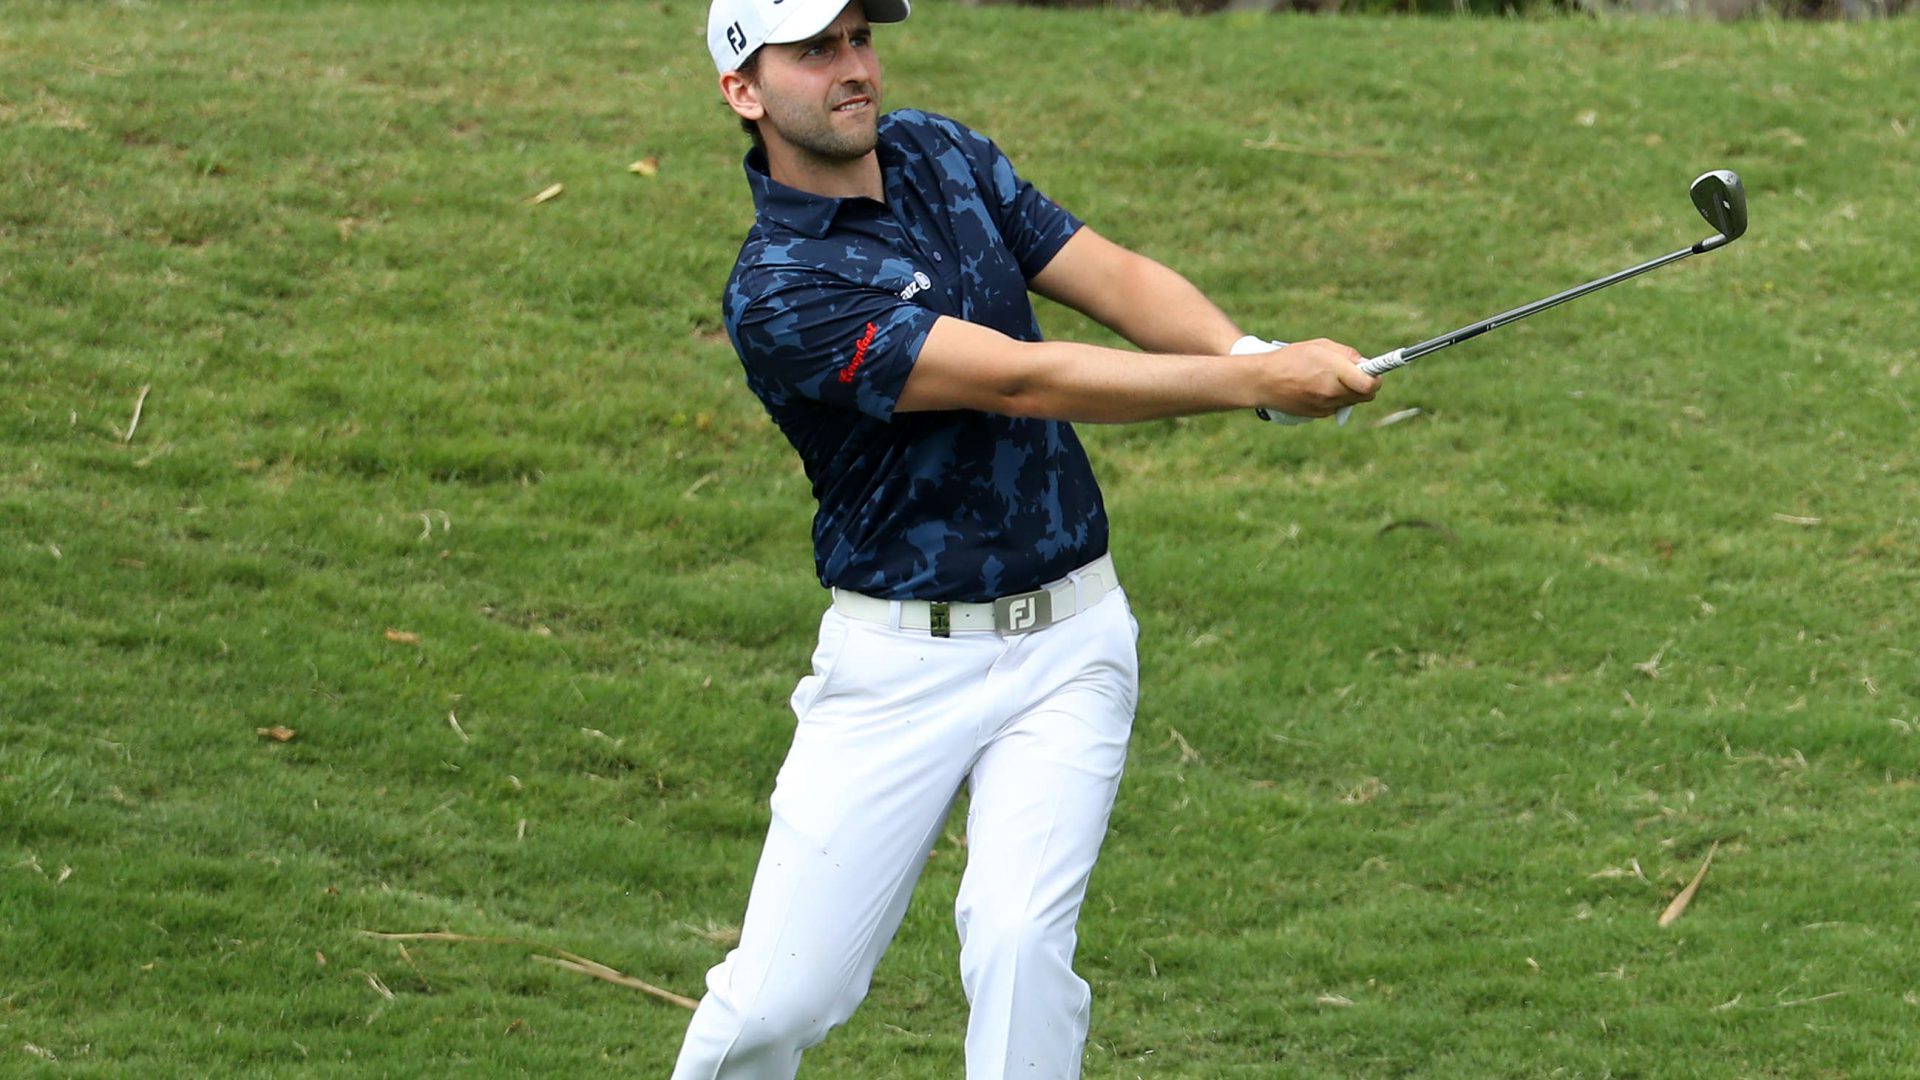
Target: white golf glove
[(1248, 346)]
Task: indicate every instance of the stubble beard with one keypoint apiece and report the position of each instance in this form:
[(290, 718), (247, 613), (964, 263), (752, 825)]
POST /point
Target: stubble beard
[(816, 134)]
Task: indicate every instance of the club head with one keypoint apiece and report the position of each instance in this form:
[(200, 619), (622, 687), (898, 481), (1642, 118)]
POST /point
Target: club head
[(1723, 202)]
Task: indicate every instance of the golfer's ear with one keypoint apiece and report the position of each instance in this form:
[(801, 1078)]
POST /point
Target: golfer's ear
[(742, 96)]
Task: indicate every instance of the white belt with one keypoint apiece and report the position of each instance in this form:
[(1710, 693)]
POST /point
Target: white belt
[(1021, 613)]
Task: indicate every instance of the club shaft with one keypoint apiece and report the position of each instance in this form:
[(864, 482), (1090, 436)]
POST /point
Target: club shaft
[(1454, 337)]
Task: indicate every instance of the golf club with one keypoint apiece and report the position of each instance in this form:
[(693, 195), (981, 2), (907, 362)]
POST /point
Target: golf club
[(1719, 198)]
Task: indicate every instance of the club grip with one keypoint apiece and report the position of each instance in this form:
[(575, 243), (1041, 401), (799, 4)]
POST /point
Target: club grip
[(1384, 363), (1376, 367)]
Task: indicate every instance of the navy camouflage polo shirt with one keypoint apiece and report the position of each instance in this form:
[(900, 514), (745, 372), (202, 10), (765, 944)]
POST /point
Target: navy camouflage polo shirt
[(828, 307)]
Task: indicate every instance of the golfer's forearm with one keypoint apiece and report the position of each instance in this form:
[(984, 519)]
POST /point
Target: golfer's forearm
[(1162, 312), (1143, 301), (1064, 380), (963, 365)]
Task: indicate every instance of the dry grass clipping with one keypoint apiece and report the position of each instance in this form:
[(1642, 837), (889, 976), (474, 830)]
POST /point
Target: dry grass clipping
[(1679, 905), (134, 424), (561, 959)]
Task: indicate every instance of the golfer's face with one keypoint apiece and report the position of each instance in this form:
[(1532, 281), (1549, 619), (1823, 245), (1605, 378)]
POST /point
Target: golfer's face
[(823, 94)]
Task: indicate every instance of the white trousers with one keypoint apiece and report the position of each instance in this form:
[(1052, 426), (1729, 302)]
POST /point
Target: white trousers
[(891, 723)]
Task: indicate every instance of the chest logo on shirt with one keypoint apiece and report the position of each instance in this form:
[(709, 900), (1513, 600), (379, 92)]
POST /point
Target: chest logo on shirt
[(859, 354), (921, 283)]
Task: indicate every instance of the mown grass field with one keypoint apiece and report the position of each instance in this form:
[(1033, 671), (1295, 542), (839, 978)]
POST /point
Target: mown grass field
[(1403, 801)]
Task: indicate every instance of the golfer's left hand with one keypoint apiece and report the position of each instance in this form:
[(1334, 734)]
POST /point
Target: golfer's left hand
[(1328, 378)]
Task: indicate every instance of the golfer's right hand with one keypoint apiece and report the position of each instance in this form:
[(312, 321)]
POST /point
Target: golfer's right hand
[(1315, 378)]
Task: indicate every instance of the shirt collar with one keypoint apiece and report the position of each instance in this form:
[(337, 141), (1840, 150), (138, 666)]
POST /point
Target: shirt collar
[(798, 210)]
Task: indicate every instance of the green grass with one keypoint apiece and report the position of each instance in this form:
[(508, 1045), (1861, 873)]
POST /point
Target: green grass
[(1415, 770)]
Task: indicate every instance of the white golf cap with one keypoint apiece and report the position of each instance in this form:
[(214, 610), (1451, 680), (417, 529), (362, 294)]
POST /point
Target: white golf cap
[(736, 28)]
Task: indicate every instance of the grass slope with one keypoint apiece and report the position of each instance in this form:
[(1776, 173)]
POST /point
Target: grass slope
[(1403, 801)]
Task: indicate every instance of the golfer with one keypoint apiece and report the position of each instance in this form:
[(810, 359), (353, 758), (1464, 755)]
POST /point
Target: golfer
[(977, 632)]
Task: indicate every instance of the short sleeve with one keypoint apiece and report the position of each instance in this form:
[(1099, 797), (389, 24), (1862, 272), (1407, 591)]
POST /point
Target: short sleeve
[(811, 335), (1034, 226)]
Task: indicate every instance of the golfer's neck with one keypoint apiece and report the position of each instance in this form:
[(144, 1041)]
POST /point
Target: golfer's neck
[(829, 177)]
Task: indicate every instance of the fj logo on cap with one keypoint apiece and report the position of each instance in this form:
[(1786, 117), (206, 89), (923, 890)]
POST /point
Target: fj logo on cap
[(736, 37)]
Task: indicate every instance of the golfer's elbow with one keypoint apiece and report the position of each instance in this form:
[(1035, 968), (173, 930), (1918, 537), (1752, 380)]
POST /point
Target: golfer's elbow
[(964, 366), (1031, 387), (1056, 381)]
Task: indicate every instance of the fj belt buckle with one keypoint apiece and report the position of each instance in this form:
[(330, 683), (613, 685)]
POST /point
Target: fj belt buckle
[(1023, 613)]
